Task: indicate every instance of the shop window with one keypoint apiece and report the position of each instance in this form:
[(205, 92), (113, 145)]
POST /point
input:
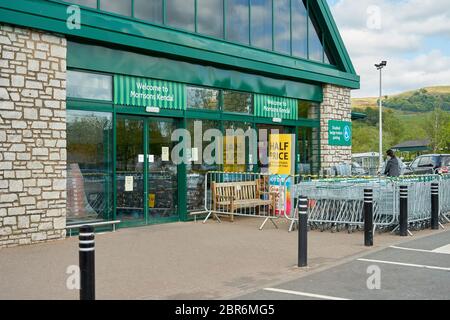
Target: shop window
[(210, 17), (237, 144), (202, 98), (238, 21), (149, 10), (299, 29), (264, 133), (181, 14), (200, 164), (88, 85), (89, 166), (315, 42), (308, 110), (308, 160), (239, 102), (122, 7), (86, 3), (282, 27), (261, 24)]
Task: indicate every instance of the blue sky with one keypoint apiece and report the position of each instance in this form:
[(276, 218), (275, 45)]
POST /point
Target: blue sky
[(412, 35)]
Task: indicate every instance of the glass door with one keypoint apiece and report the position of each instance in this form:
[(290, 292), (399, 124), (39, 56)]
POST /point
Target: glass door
[(162, 172), (130, 169), (146, 176)]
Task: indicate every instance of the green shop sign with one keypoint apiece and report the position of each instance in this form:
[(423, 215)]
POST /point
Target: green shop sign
[(339, 133), (275, 107), (142, 92)]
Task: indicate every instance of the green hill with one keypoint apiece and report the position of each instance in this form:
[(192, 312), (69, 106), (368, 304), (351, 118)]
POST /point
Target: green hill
[(421, 100), (411, 115)]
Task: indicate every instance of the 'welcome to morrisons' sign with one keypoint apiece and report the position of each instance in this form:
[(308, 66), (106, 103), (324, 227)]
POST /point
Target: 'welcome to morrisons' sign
[(143, 92), (275, 107)]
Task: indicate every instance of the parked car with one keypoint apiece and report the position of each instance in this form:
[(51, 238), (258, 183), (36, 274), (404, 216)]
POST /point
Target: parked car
[(358, 170), (430, 164)]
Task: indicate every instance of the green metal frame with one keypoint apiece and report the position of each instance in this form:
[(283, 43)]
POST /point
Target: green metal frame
[(180, 117), (163, 40)]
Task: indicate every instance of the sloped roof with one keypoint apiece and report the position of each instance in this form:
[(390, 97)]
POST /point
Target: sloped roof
[(413, 145)]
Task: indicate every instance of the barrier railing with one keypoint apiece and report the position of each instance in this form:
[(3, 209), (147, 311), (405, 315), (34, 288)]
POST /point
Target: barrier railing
[(444, 197), (337, 202), (334, 203), (243, 194)]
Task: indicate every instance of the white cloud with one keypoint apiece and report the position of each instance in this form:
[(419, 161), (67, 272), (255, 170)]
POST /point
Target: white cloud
[(405, 27)]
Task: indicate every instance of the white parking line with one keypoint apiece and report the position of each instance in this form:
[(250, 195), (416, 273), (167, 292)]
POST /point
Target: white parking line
[(441, 250), (305, 294), (410, 249), (444, 249), (406, 264)]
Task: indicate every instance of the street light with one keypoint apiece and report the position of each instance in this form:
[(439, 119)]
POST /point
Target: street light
[(380, 67)]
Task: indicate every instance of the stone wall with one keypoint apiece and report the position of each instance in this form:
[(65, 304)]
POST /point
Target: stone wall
[(336, 105), (32, 136)]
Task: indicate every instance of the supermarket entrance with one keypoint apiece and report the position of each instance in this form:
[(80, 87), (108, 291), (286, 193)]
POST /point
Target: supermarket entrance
[(146, 177)]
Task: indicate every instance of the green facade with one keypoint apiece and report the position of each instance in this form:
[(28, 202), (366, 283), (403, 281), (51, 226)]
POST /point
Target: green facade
[(166, 62)]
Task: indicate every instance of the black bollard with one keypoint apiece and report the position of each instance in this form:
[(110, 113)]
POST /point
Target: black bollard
[(403, 211), (302, 232), (87, 263), (435, 206), (368, 217)]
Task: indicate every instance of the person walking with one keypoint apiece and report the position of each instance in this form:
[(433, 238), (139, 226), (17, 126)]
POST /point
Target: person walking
[(393, 165)]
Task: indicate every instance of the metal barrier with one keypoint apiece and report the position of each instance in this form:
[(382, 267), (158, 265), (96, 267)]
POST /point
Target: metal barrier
[(334, 203), (444, 197), (243, 194), (337, 203)]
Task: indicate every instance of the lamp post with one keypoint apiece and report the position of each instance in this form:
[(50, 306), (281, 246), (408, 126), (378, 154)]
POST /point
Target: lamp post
[(380, 67)]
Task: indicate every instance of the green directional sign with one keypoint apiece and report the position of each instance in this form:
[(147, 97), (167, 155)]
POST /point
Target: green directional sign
[(275, 107), (143, 92), (339, 133)]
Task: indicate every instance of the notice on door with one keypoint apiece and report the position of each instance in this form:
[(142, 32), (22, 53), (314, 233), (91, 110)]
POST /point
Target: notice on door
[(128, 183), (165, 154)]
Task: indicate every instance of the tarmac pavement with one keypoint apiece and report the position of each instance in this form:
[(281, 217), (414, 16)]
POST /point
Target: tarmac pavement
[(201, 261), (418, 269)]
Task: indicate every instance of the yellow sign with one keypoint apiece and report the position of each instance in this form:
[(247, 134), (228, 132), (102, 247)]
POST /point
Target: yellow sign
[(281, 154), (151, 200)]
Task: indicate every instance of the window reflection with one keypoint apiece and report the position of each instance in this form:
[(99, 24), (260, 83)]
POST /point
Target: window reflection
[(315, 43), (308, 110), (261, 23), (149, 10), (88, 85), (239, 102), (202, 98), (238, 21), (196, 172), (282, 27), (299, 30), (122, 7), (210, 17), (181, 14), (86, 3), (89, 166)]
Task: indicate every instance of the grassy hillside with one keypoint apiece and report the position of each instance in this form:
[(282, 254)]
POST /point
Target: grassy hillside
[(407, 116), (421, 100)]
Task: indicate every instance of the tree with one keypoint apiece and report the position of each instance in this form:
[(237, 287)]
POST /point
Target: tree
[(436, 126)]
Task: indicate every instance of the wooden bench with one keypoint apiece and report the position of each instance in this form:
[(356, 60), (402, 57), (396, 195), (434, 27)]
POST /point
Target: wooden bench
[(228, 197)]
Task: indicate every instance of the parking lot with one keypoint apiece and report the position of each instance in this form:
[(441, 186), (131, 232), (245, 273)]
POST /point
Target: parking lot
[(221, 261), (418, 269)]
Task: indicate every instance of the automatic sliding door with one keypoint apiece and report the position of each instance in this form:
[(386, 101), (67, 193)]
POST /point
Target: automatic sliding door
[(162, 172), (130, 169)]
